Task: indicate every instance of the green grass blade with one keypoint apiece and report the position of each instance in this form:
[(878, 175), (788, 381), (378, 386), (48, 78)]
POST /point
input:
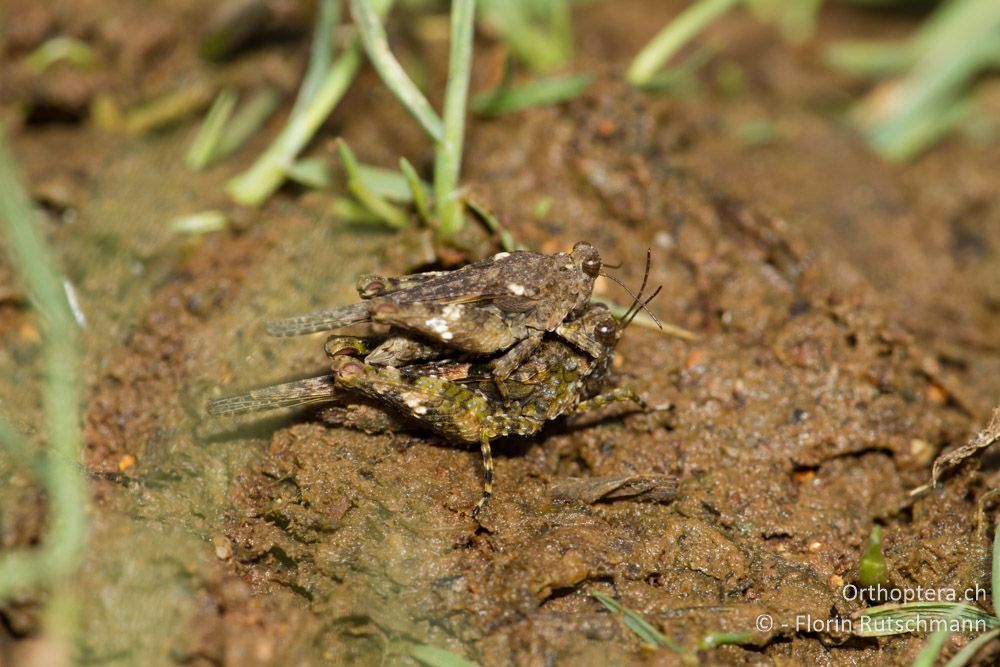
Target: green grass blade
[(392, 73), (995, 572), (872, 568), (894, 619), (356, 184), (204, 145), (932, 649), (62, 48), (539, 93), (199, 223), (637, 624), (538, 32), (438, 657), (63, 545), (311, 172), (673, 37), (955, 44), (387, 183), (419, 191), (266, 175), (448, 163), (247, 120), (506, 239), (970, 650), (869, 59), (320, 52)]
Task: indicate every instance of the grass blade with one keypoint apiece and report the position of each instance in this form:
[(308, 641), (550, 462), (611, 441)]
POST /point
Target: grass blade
[(392, 73), (311, 172), (388, 183), (418, 189), (995, 572), (438, 657), (62, 48), (673, 37), (538, 32), (448, 162), (894, 619), (205, 143), (247, 120), (63, 545), (970, 650), (932, 649), (637, 624), (539, 93), (320, 53), (199, 223), (358, 187), (261, 180)]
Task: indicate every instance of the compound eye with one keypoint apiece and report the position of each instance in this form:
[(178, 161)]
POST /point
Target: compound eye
[(606, 332), (592, 266)]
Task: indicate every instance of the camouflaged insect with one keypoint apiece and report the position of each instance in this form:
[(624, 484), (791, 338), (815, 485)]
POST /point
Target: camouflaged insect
[(459, 400), (504, 303)]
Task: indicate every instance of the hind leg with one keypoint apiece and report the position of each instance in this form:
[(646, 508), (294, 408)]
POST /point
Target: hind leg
[(484, 446), (614, 396)]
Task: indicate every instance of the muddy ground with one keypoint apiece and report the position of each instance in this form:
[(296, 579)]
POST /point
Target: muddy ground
[(846, 314)]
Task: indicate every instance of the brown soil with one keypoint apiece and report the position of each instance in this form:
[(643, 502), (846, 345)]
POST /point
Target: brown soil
[(846, 321)]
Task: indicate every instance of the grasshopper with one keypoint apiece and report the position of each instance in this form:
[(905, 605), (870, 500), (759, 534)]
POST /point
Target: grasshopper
[(505, 303), (459, 400)]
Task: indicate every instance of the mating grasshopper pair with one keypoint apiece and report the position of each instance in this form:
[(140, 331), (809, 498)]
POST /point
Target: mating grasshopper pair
[(550, 346)]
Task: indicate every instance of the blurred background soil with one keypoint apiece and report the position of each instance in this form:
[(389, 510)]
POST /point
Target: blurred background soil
[(846, 313)]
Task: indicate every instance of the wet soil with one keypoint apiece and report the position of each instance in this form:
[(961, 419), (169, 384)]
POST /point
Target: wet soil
[(845, 313)]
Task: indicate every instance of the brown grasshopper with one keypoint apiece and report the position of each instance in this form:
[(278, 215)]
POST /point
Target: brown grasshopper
[(460, 401), (504, 303)]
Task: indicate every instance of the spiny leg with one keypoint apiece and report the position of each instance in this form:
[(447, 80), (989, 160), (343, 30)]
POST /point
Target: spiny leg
[(484, 445), (614, 396)]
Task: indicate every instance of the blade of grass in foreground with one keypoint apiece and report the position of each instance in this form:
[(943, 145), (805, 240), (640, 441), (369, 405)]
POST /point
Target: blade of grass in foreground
[(63, 545), (970, 650)]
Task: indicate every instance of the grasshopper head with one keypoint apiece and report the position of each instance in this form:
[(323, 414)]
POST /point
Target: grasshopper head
[(586, 257)]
